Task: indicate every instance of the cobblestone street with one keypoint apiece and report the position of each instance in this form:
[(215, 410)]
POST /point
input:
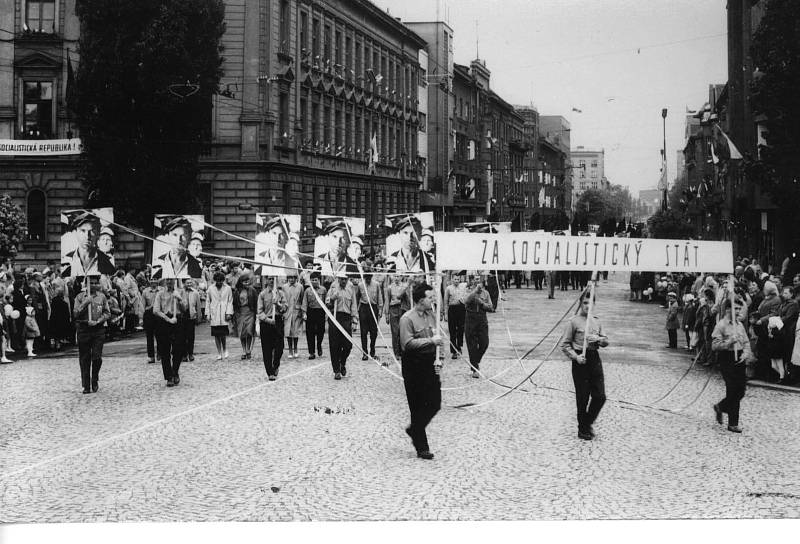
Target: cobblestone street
[(227, 445)]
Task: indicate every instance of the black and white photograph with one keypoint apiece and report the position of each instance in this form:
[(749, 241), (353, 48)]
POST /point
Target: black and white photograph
[(455, 267), (87, 242), (177, 246), (338, 245), (410, 242), (277, 244)]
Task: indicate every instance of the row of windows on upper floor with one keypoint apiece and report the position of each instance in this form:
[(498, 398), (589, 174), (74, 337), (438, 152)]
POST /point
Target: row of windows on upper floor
[(332, 45)]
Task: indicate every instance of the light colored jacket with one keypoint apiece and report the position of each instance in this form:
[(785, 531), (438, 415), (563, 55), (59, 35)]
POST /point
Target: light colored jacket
[(220, 304)]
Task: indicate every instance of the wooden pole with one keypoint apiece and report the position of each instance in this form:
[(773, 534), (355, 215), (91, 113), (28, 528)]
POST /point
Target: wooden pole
[(589, 313)]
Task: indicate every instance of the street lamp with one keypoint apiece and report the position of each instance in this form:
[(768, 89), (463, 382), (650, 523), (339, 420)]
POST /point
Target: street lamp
[(664, 159)]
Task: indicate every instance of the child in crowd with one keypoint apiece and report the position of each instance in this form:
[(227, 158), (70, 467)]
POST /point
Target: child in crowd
[(31, 327), (672, 319)]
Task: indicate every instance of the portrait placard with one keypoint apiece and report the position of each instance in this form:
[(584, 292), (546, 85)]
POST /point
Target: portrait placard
[(410, 243), (277, 244), (178, 246), (87, 242), (339, 244)]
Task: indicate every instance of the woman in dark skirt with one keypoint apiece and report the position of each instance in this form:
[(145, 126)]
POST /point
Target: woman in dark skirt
[(60, 326), (219, 310)]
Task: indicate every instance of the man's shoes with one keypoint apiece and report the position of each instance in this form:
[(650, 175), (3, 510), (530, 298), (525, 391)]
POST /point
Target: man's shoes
[(244, 356), (425, 454), (718, 413), (454, 356), (272, 378), (384, 363), (344, 371), (734, 428), (219, 358), (176, 380), (475, 374), (337, 376), (170, 383), (225, 355), (95, 387), (191, 358), (584, 434), (312, 357), (590, 430), (151, 361), (364, 357), (320, 352), (86, 391), (185, 359), (5, 360)]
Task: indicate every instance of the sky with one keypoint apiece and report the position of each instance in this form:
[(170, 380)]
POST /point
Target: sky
[(617, 61)]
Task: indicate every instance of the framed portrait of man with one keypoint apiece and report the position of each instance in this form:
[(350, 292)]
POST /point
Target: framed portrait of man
[(409, 242), (87, 242), (277, 244), (178, 246), (338, 244)]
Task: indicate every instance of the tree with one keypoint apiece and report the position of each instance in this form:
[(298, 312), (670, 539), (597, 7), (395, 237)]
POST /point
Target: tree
[(603, 208), (141, 140), (668, 224), (12, 227), (776, 55)]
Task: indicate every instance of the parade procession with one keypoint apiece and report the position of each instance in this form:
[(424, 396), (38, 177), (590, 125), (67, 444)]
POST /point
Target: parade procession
[(291, 261)]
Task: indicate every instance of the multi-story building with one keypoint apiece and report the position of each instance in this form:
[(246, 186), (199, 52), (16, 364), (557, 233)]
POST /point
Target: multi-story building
[(554, 167), (588, 170), (438, 187), (489, 150), (309, 85), (532, 212)]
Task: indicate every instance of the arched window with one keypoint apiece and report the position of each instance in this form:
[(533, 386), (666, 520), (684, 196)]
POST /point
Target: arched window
[(37, 215)]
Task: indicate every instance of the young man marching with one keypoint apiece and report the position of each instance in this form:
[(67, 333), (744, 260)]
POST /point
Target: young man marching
[(587, 369), (420, 373)]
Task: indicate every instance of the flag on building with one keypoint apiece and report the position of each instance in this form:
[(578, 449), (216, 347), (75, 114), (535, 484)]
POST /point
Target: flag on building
[(725, 146), (373, 154)]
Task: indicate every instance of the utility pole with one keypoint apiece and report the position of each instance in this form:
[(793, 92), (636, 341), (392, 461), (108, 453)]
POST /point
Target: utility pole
[(664, 161)]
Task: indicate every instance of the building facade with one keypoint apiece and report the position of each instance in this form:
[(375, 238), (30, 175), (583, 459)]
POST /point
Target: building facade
[(308, 87), (438, 187)]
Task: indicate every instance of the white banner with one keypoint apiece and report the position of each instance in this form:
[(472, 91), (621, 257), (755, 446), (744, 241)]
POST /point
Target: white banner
[(41, 148), (544, 251)]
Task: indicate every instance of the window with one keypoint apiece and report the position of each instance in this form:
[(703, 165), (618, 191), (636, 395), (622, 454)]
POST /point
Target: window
[(594, 173), (38, 109), (327, 46), (315, 39), (205, 196), (594, 163), (423, 122), (314, 123), (287, 198), (284, 115), (37, 216), (285, 21), (303, 29), (40, 15), (304, 116), (337, 47), (348, 56)]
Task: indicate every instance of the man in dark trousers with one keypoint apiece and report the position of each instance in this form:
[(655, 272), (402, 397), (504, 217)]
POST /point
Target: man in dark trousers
[(370, 308), (420, 368), (587, 369), (91, 312), (270, 311), (341, 300), (454, 314), (314, 315), (476, 325)]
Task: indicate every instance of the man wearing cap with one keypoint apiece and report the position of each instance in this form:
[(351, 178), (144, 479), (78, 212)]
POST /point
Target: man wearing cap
[(426, 246), (176, 263), (271, 240), (314, 314), (91, 311), (105, 242), (335, 258), (370, 309), (342, 302), (409, 258), (353, 256), (85, 259), (195, 247), (476, 326), (398, 302)]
